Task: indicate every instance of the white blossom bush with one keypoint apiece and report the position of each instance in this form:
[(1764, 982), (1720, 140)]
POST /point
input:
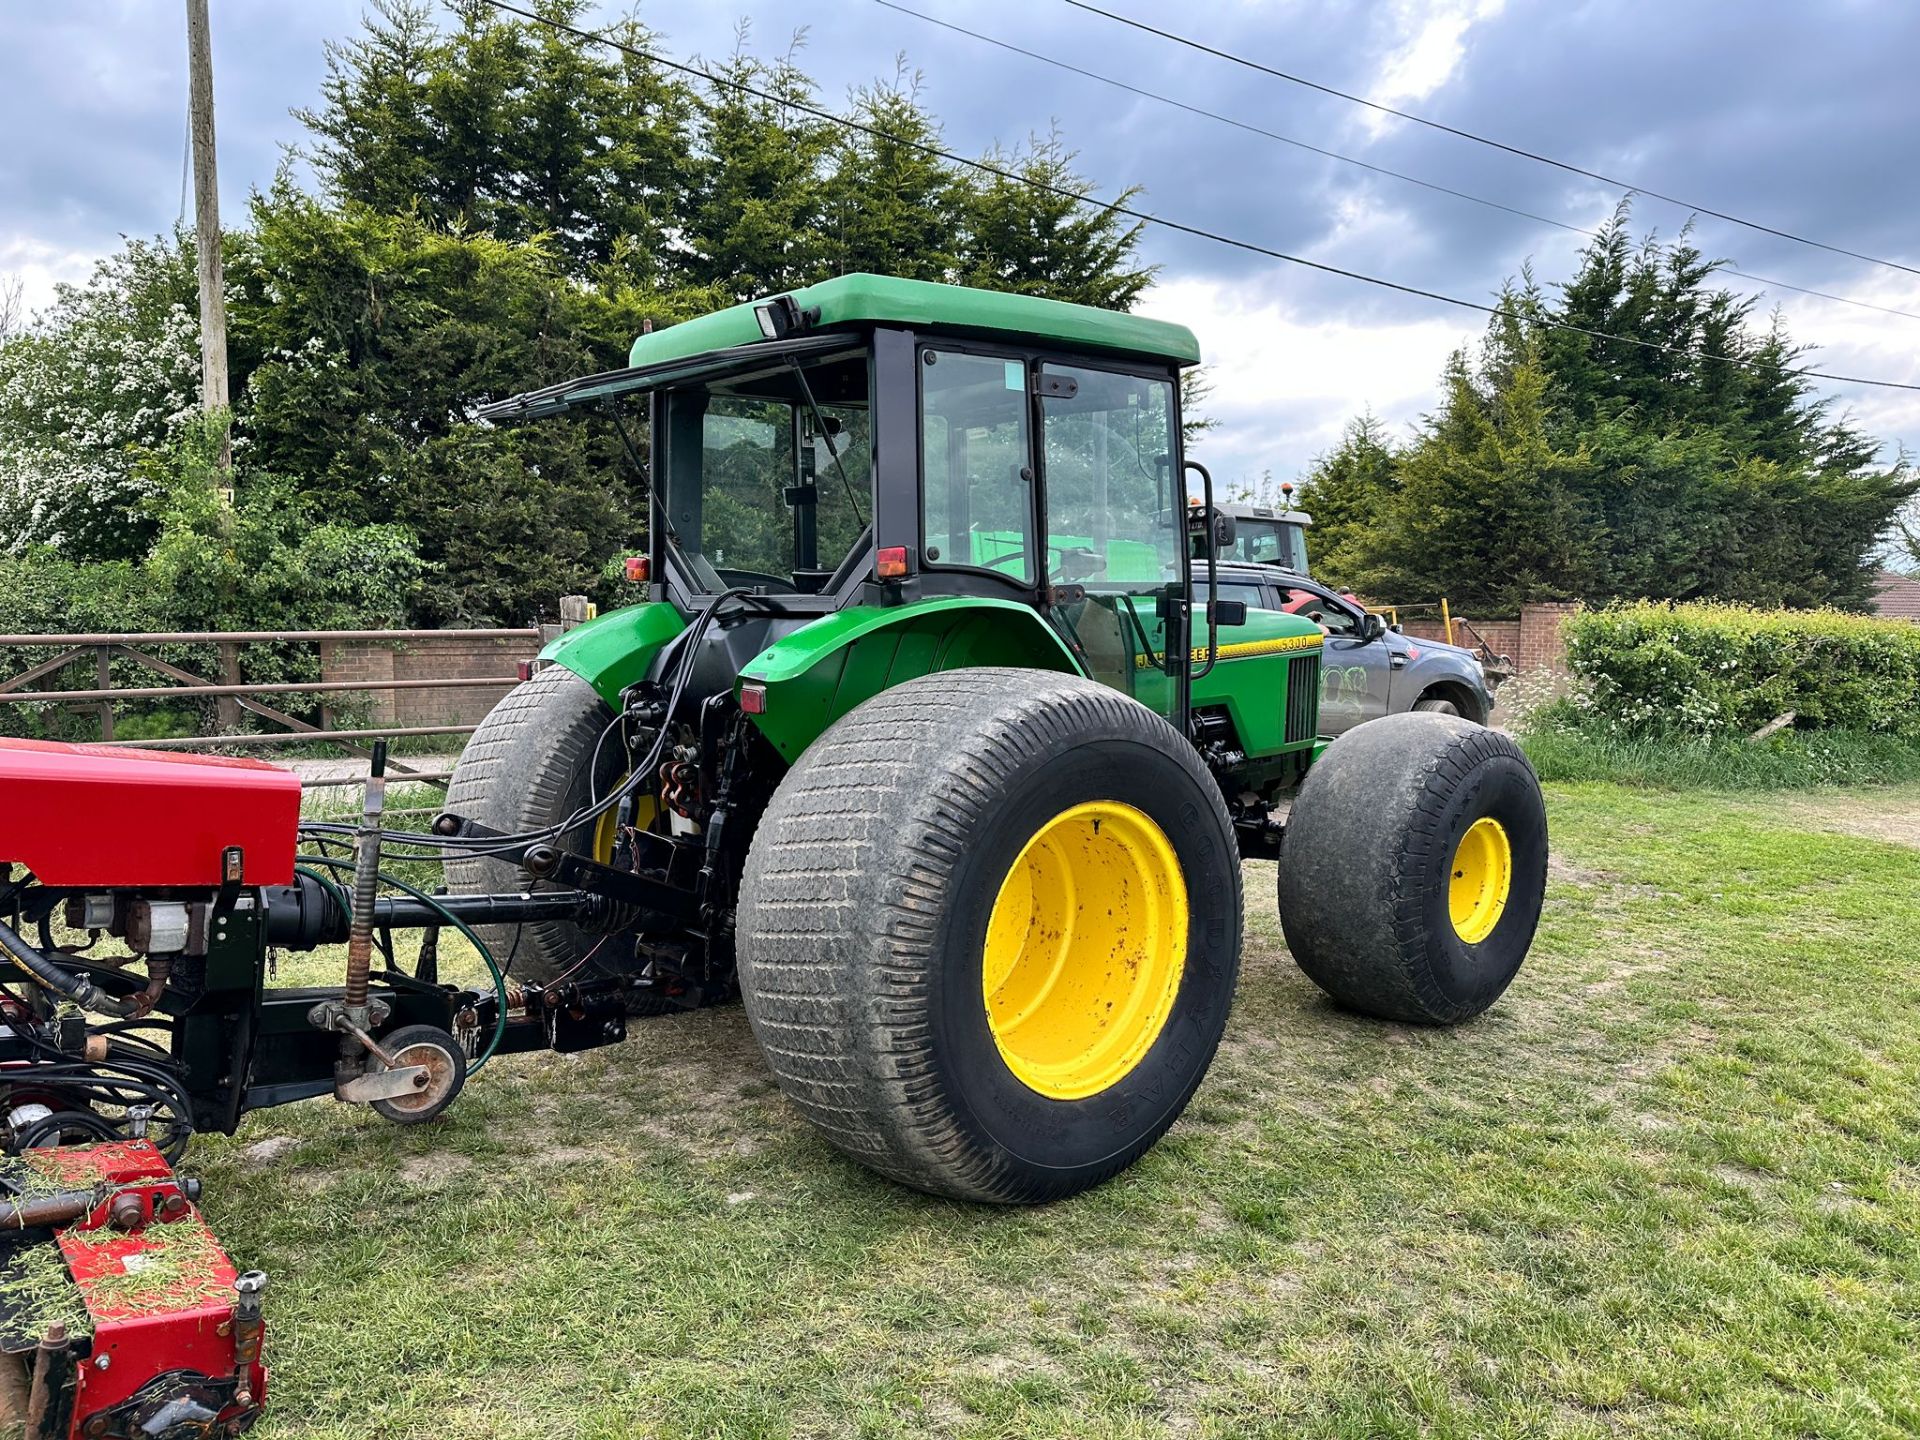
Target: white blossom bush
[(109, 372)]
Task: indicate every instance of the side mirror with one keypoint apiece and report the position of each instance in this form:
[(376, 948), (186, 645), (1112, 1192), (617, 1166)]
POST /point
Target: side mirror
[(1229, 612), (1223, 531), (1372, 627)]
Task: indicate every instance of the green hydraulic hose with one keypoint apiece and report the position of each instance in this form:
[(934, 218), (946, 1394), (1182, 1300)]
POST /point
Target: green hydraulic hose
[(493, 968)]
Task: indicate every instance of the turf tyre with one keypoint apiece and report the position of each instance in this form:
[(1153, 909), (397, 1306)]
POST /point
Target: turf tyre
[(1368, 855), (863, 916)]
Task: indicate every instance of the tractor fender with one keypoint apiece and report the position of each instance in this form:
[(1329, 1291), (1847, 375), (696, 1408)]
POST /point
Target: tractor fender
[(819, 672), (615, 650)]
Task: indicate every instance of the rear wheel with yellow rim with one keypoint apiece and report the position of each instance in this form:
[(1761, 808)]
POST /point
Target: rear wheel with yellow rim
[(1414, 867), (989, 932)]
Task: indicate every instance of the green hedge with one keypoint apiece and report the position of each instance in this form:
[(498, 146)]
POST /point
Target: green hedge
[(1716, 669)]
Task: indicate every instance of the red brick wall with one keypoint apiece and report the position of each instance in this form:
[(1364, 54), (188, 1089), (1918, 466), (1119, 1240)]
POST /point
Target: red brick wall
[(1502, 636), (437, 657), (1541, 645), (1533, 640)]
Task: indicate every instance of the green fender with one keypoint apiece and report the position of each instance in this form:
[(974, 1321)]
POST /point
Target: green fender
[(821, 671), (612, 651)]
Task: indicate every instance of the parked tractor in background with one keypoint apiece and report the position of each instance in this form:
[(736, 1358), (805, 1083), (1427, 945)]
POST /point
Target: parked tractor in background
[(1263, 534)]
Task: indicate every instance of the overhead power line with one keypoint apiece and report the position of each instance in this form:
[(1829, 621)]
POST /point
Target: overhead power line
[(1142, 216), (1253, 129), (1525, 154)]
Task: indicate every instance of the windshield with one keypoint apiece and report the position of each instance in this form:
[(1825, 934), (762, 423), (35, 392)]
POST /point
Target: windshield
[(1269, 542), (769, 473)]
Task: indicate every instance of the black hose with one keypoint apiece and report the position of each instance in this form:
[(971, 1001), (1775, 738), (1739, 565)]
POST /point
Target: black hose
[(77, 988), (477, 846)]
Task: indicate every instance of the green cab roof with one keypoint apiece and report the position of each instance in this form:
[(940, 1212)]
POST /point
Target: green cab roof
[(859, 300)]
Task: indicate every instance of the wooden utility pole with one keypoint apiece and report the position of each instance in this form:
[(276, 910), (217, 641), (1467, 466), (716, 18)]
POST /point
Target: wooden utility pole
[(206, 219)]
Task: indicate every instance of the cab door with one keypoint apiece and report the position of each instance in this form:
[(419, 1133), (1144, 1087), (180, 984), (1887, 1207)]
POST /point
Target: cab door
[(1114, 529)]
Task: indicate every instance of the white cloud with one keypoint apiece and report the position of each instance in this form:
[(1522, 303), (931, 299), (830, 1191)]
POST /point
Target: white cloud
[(1432, 41), (1284, 388), (40, 266), (1865, 343)]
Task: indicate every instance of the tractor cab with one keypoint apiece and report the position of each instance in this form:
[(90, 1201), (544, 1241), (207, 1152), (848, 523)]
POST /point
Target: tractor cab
[(1262, 535), (872, 445)]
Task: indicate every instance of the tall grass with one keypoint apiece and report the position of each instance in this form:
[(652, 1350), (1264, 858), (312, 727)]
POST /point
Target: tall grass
[(1563, 748)]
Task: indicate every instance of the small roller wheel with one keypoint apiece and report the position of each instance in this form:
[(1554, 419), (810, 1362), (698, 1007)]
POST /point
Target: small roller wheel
[(446, 1065)]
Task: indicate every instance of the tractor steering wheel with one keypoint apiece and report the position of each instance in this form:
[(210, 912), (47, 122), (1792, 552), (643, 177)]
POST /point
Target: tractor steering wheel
[(1024, 554)]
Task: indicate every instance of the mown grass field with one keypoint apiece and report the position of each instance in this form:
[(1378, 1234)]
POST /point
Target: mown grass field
[(1670, 1186)]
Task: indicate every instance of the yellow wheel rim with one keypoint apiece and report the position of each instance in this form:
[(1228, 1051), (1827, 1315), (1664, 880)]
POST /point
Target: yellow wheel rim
[(1085, 948), (1481, 881), (606, 830)]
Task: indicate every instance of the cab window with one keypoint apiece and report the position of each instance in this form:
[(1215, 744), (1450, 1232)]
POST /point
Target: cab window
[(976, 491)]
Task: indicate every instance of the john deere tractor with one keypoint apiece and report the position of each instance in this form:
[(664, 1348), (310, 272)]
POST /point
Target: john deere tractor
[(932, 743)]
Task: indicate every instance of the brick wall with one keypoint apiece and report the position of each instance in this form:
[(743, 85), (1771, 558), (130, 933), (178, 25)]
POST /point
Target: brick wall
[(1533, 640), (1502, 636), (1541, 646), (452, 656)]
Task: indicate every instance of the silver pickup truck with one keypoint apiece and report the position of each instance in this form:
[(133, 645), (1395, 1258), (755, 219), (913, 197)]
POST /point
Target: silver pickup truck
[(1367, 670)]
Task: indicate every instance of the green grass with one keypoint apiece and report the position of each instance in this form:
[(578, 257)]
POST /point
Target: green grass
[(1669, 1186), (1789, 760)]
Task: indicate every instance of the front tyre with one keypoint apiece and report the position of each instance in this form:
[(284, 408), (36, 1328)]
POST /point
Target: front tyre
[(1414, 868), (989, 932)]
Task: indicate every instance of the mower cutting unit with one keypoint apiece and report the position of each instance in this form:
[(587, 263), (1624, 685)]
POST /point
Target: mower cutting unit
[(931, 741), (120, 1316)]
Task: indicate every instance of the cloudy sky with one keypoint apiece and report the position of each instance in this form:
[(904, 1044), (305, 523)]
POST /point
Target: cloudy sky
[(1801, 117)]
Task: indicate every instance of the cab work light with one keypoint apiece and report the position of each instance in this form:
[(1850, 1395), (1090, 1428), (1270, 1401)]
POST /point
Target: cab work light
[(890, 563), (782, 316)]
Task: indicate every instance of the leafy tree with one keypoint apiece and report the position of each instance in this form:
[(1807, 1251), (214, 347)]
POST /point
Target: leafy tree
[(1027, 230), (757, 194), (112, 370), (376, 138), (888, 204), (1196, 387), (1676, 453), (1348, 491), (1485, 507), (500, 206), (271, 557), (376, 335)]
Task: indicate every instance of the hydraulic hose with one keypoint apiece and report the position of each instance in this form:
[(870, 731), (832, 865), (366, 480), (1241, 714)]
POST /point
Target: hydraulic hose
[(77, 988), (439, 847)]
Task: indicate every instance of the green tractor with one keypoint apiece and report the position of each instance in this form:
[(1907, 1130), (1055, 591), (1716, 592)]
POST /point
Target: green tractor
[(933, 744)]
